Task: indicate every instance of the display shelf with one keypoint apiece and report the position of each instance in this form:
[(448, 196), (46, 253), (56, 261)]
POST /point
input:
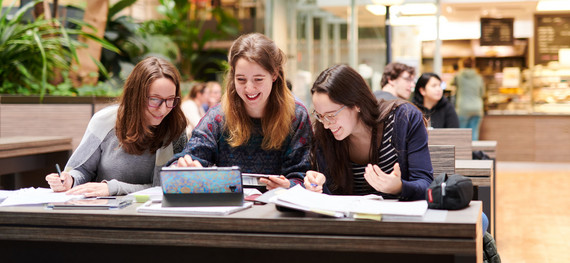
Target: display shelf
[(551, 89)]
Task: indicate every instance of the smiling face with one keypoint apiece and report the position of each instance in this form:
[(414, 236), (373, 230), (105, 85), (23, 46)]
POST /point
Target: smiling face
[(343, 124), (161, 88), (253, 85), (432, 92)]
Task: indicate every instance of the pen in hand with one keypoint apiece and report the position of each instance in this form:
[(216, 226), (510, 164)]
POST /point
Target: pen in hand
[(59, 172)]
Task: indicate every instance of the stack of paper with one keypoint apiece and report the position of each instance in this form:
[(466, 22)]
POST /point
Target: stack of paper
[(370, 206), (34, 196), (156, 207)]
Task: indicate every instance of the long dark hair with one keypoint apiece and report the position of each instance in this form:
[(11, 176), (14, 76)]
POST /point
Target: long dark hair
[(135, 137), (418, 98), (345, 86)]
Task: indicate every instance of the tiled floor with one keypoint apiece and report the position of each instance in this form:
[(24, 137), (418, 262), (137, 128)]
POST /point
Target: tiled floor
[(533, 212)]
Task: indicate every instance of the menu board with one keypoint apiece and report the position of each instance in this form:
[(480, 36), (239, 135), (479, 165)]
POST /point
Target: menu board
[(551, 33), (496, 32)]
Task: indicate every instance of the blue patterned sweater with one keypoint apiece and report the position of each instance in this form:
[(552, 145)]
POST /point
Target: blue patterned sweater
[(210, 147)]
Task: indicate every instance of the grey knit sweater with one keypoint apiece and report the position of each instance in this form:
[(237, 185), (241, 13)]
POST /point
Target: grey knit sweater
[(124, 173)]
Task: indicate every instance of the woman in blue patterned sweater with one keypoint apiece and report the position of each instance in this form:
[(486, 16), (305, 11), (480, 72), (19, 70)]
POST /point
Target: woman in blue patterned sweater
[(366, 146), (258, 126)]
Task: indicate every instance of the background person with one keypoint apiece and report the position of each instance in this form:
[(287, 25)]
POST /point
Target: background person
[(125, 146), (469, 98), (258, 126), (397, 82), (428, 97), (192, 106), (215, 96), (365, 146)]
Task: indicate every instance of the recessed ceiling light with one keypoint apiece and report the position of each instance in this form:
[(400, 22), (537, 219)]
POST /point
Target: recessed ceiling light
[(553, 5)]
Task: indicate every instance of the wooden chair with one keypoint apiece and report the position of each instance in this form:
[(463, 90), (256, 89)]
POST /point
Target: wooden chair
[(460, 138), (442, 159)]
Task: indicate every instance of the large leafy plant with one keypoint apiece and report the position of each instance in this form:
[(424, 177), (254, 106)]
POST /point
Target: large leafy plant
[(185, 24), (135, 44), (32, 53)]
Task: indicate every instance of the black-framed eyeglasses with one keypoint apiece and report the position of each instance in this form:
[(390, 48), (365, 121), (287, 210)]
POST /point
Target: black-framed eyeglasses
[(156, 102), (330, 118)]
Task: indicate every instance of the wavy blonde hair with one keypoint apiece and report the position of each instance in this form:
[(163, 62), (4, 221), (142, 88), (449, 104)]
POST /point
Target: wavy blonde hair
[(280, 110)]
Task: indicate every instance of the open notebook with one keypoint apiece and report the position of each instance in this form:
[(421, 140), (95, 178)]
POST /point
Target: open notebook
[(367, 207)]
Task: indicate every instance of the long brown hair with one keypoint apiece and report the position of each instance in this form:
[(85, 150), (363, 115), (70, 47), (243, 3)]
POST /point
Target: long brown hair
[(280, 109), (345, 86), (135, 137)]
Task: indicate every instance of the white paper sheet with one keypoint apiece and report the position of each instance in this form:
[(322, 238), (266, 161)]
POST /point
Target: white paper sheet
[(34, 196), (156, 207)]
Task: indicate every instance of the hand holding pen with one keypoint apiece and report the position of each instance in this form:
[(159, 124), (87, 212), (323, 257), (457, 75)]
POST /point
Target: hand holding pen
[(60, 181), (314, 181)]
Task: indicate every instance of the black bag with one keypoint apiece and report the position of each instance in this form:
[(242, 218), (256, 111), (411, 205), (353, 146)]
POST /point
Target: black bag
[(449, 192)]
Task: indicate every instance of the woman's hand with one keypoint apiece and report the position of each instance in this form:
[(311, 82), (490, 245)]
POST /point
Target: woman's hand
[(314, 181), (187, 161), (90, 190), (383, 182), (60, 184), (273, 182)]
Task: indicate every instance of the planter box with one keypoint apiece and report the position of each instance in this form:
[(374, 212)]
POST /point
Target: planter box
[(54, 116)]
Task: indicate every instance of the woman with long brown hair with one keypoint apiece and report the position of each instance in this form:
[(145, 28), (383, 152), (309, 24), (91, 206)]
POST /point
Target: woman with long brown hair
[(366, 146), (125, 145), (258, 126)]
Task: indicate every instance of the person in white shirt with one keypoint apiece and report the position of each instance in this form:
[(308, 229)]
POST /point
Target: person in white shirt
[(192, 106)]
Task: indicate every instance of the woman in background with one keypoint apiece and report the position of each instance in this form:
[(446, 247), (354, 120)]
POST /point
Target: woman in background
[(215, 96), (428, 96), (192, 106), (125, 145)]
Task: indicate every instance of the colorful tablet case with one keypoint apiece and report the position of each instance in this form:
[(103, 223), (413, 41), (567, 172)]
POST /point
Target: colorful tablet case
[(211, 186), (216, 180)]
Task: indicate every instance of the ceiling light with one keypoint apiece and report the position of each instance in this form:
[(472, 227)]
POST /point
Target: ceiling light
[(553, 5), (417, 9), (377, 10), (388, 2)]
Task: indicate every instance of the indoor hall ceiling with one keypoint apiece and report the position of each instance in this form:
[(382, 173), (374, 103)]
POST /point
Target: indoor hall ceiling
[(453, 10)]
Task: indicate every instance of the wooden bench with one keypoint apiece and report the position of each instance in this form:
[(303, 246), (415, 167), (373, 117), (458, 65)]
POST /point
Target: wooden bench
[(25, 160), (442, 159), (460, 138)]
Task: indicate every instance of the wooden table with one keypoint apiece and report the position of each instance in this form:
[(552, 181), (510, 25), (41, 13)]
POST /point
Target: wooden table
[(480, 171), (482, 174), (31, 156), (258, 234)]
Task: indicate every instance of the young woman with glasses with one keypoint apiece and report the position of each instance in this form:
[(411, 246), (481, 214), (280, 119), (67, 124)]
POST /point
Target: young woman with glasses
[(365, 146), (125, 145), (258, 126)]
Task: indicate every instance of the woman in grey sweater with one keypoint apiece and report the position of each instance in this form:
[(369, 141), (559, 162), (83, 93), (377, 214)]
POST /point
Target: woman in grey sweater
[(124, 146)]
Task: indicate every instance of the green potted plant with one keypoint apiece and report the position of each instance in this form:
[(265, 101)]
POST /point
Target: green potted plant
[(33, 53)]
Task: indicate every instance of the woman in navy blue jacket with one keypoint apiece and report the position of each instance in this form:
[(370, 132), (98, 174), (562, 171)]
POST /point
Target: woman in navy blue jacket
[(365, 146)]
